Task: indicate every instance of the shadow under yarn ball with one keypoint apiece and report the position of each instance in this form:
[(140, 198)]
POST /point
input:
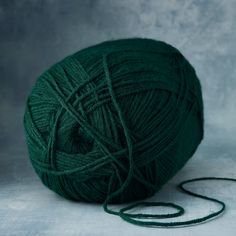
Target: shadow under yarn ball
[(116, 119)]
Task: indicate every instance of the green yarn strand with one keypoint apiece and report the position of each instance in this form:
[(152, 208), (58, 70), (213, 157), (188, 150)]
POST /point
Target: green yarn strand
[(131, 217)]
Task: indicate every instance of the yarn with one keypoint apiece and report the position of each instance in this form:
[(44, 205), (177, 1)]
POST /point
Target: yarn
[(114, 122)]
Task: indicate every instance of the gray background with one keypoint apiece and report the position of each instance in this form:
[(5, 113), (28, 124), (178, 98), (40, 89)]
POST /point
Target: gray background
[(36, 34)]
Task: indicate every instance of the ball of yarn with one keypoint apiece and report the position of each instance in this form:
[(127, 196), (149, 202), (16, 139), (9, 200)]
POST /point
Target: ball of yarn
[(114, 121)]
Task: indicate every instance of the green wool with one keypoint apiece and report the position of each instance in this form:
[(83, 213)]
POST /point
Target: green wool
[(114, 122)]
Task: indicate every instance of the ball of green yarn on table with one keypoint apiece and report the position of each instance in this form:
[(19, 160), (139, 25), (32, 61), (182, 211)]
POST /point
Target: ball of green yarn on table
[(114, 121)]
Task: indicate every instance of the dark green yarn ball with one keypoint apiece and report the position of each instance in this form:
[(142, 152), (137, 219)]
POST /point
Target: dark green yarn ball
[(116, 120)]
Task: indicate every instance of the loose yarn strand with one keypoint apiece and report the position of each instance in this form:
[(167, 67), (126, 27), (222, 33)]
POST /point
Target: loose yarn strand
[(131, 218), (127, 136)]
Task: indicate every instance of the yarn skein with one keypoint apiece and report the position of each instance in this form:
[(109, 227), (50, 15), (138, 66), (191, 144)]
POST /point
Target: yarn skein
[(114, 122)]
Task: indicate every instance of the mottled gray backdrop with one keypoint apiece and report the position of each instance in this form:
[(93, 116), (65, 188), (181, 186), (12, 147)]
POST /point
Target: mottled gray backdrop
[(35, 34)]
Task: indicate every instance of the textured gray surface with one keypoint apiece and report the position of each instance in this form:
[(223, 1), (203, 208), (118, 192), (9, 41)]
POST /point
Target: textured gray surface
[(35, 34)]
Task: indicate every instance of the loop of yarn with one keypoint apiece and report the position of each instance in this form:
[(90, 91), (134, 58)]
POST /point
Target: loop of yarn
[(114, 122), (131, 218)]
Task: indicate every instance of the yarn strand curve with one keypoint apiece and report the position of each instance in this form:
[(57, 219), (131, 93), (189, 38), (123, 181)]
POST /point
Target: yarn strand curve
[(131, 218)]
